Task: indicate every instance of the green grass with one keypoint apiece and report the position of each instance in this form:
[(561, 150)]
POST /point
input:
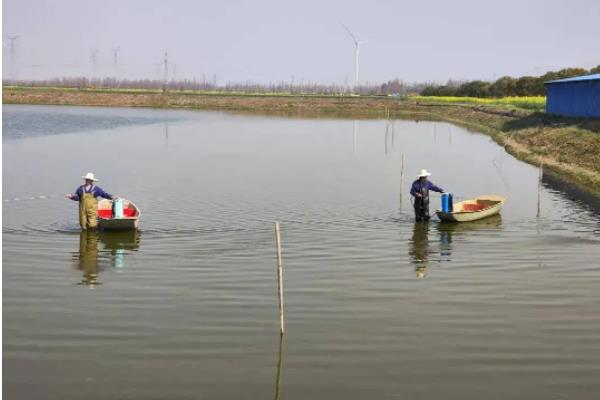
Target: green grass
[(529, 103)]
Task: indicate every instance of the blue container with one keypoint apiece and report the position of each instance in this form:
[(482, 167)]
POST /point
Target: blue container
[(445, 204), (450, 202), (118, 208)]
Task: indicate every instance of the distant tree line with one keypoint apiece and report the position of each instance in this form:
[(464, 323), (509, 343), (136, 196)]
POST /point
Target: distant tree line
[(392, 87), (505, 86)]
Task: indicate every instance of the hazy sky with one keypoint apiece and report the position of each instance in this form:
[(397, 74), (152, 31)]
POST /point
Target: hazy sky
[(430, 40)]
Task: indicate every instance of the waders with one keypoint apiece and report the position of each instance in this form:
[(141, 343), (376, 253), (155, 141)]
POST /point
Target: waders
[(88, 208), (422, 205)]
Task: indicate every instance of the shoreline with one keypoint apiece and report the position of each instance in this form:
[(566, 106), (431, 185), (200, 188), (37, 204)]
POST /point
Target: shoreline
[(568, 148)]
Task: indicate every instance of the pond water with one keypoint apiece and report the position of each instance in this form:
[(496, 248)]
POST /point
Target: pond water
[(376, 305)]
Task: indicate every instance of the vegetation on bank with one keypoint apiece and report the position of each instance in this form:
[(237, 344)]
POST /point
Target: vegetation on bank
[(568, 147), (528, 102), (291, 88), (505, 86), (125, 90)]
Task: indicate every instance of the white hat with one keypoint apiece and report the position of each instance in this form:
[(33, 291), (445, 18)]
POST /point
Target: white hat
[(90, 176), (421, 175)]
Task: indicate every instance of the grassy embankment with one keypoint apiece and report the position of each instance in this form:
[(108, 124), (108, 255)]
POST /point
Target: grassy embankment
[(569, 148), (537, 103)]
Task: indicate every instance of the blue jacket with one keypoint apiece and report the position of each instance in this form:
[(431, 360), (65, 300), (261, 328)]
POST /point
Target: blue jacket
[(416, 188), (96, 191)]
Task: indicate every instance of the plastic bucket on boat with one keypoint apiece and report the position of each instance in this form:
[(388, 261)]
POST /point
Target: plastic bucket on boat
[(445, 202), (118, 208)]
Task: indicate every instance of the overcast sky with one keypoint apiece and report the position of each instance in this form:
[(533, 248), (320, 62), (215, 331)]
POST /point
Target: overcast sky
[(268, 41)]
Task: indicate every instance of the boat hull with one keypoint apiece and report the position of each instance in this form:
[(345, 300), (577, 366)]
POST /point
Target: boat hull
[(122, 224), (107, 222), (473, 209)]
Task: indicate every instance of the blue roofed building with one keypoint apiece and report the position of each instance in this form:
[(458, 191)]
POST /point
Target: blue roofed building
[(574, 97)]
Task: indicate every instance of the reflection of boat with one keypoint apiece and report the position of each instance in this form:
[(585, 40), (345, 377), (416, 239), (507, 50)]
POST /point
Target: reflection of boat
[(122, 240), (118, 242), (91, 260), (107, 220), (473, 209), (494, 221)]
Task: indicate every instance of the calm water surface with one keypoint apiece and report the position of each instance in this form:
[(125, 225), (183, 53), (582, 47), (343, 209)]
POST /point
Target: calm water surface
[(376, 305)]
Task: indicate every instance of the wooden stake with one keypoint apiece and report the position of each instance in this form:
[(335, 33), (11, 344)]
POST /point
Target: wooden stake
[(540, 189), (279, 277)]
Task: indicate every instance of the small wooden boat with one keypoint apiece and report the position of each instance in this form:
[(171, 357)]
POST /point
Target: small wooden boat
[(473, 209), (108, 222)]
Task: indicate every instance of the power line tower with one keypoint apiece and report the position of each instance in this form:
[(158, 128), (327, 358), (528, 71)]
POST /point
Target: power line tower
[(94, 63), (12, 47), (166, 72), (115, 52)]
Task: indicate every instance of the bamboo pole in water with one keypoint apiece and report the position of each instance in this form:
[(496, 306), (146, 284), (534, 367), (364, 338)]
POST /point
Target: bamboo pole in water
[(279, 277), (279, 364), (539, 200)]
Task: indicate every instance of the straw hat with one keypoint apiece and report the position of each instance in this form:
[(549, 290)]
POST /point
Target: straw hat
[(90, 176), (423, 173)]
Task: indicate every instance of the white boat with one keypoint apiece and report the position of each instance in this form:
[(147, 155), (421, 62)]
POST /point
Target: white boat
[(473, 209), (108, 222)]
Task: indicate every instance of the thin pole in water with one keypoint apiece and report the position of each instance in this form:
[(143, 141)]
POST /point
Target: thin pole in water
[(401, 178), (539, 201), (387, 128), (279, 277)]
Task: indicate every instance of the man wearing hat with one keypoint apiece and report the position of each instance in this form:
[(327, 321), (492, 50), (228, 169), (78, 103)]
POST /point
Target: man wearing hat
[(420, 191), (86, 195)]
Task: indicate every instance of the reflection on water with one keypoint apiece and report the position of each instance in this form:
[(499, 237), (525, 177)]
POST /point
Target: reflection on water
[(355, 136), (279, 364), (419, 249), (115, 244), (421, 245), (87, 260), (192, 313), (449, 229)]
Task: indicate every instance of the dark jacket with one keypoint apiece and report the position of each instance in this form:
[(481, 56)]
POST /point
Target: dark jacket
[(417, 187)]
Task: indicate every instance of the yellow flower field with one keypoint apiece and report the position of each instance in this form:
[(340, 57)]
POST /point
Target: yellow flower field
[(529, 102)]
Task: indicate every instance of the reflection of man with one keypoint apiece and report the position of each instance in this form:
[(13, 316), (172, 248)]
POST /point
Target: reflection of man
[(420, 191), (420, 248), (88, 257)]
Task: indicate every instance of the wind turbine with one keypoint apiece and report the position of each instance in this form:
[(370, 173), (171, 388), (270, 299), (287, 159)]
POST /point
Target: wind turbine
[(357, 44)]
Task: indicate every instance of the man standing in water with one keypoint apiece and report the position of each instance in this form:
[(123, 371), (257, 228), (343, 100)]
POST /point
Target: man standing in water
[(86, 194), (420, 191)]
